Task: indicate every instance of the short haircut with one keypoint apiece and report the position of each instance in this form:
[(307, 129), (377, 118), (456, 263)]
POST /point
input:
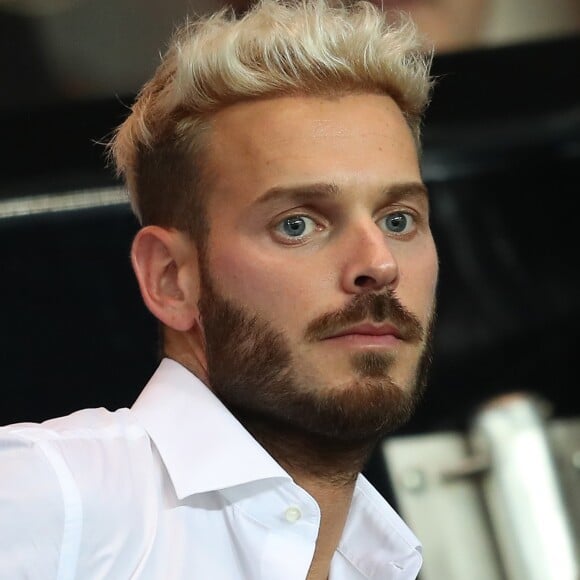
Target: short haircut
[(276, 48)]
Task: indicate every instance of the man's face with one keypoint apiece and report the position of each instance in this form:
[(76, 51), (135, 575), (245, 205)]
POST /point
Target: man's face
[(319, 273)]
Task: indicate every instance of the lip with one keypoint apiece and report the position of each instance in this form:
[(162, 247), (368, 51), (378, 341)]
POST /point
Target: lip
[(384, 335), (369, 330)]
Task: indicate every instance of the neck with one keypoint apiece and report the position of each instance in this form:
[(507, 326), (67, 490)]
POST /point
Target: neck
[(309, 457), (327, 470), (187, 348)]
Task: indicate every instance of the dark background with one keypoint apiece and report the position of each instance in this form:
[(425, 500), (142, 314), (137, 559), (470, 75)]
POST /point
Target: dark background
[(501, 159)]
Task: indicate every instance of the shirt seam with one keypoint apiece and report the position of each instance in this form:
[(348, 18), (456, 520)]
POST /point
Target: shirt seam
[(41, 434), (72, 508)]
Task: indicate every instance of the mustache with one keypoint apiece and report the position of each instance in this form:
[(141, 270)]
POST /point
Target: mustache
[(383, 307)]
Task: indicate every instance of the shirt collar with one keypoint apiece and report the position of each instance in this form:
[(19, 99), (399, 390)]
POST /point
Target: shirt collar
[(203, 446), (375, 538)]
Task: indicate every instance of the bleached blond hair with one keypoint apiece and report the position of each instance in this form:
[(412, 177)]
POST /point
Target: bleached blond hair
[(308, 47)]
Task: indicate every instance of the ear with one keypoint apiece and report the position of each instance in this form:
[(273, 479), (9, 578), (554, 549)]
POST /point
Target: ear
[(166, 266)]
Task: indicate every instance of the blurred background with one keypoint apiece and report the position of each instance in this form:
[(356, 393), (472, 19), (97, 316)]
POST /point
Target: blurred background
[(501, 159)]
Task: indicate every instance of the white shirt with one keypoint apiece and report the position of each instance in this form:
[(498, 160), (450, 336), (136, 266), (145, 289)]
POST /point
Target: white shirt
[(173, 488)]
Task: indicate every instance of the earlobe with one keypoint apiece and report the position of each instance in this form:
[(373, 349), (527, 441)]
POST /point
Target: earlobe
[(165, 264)]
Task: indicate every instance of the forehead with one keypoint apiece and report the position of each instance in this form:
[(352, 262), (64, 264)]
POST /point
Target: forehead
[(349, 141)]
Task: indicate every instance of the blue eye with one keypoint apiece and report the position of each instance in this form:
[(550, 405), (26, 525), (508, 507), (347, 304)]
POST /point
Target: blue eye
[(296, 226), (397, 223)]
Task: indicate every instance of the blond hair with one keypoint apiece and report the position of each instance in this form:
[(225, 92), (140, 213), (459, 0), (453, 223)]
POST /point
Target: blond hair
[(309, 47)]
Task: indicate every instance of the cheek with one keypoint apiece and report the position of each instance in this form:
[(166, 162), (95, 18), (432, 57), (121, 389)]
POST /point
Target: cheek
[(280, 290), (418, 282), (241, 278)]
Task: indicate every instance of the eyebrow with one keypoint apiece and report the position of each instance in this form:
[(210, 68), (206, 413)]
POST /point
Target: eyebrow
[(317, 191), (411, 189)]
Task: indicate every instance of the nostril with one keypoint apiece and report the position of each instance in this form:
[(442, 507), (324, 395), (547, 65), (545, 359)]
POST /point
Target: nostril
[(364, 281)]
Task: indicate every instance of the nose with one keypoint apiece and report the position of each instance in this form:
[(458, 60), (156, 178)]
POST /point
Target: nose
[(370, 264)]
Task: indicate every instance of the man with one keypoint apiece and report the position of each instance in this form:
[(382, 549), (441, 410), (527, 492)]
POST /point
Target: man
[(286, 252)]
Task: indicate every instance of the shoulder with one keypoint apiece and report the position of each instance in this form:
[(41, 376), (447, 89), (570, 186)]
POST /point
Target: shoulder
[(68, 442), (80, 451), (60, 477)]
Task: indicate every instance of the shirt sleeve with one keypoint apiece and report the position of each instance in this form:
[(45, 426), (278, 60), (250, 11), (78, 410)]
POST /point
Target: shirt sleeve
[(33, 516)]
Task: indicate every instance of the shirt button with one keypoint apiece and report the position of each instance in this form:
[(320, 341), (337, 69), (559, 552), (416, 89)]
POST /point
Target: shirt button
[(293, 514)]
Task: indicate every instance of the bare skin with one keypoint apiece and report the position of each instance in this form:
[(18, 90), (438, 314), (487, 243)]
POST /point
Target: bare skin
[(334, 504)]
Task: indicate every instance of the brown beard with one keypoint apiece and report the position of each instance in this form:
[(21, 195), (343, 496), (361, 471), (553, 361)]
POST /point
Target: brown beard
[(293, 412)]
